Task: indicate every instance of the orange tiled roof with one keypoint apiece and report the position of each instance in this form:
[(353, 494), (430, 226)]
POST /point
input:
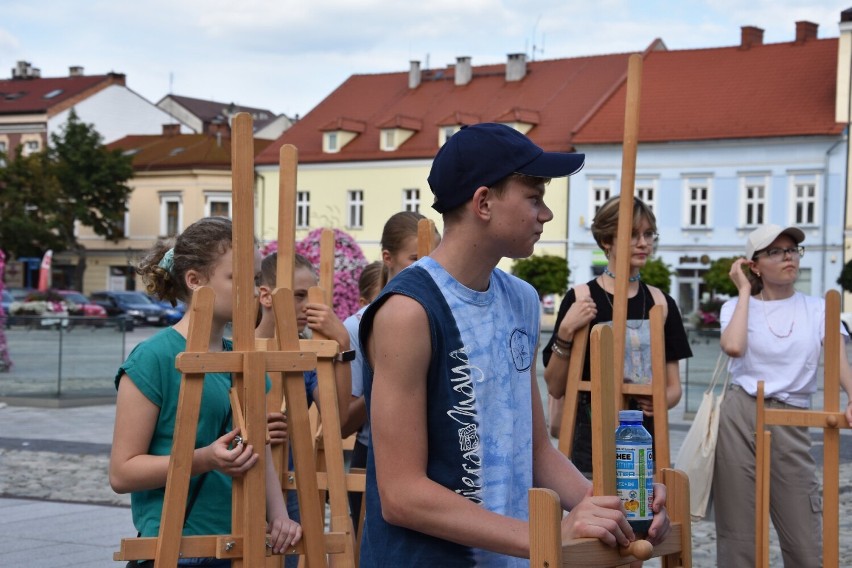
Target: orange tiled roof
[(162, 152), (32, 95), (781, 89), (554, 94)]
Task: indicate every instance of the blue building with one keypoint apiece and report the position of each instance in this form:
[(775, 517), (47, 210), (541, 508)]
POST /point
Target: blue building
[(729, 138)]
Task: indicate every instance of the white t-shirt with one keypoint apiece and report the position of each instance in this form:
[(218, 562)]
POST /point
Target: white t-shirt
[(352, 324), (787, 365)]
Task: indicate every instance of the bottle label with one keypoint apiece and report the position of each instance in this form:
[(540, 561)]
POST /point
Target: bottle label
[(634, 473)]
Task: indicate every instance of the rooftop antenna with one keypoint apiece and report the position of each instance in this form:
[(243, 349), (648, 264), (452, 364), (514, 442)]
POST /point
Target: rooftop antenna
[(535, 48), (171, 82)]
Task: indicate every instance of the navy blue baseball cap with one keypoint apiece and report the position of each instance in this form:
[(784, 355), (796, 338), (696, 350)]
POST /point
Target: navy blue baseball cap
[(483, 154)]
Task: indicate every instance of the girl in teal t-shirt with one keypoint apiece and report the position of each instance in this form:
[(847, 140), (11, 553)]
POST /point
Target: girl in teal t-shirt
[(148, 387)]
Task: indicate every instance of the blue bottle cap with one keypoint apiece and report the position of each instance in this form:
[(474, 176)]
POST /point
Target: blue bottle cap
[(630, 416)]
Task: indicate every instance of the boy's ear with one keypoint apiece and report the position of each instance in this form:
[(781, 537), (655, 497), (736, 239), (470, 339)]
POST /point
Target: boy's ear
[(481, 202), (265, 295)]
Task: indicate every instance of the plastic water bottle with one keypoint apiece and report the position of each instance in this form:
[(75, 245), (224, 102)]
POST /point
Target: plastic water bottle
[(634, 470)]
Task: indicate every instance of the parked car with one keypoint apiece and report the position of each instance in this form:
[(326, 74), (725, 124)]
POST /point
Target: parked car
[(548, 304), (7, 301), (18, 293), (134, 305), (171, 314), (83, 305)]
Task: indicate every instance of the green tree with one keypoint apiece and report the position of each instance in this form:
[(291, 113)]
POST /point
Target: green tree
[(546, 273), (93, 186), (657, 273), (29, 192), (717, 276)]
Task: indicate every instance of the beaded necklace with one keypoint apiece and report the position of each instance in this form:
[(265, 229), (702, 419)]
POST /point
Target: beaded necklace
[(630, 279), (766, 318), (641, 291)]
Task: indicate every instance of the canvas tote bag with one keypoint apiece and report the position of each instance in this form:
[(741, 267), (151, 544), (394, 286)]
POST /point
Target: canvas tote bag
[(697, 454)]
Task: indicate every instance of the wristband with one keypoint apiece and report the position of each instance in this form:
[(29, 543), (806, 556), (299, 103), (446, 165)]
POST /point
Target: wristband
[(559, 352), (345, 356)]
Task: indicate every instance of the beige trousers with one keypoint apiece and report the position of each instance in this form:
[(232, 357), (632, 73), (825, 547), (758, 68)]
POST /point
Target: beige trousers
[(795, 500)]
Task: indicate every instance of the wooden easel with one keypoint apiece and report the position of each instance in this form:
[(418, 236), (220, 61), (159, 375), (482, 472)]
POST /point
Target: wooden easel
[(831, 420), (546, 546), (326, 457), (607, 354), (246, 545), (657, 388)]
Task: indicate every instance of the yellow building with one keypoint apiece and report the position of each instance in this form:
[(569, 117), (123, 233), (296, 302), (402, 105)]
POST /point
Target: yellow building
[(178, 179)]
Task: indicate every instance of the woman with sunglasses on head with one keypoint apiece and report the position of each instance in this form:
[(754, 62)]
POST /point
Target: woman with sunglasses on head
[(773, 334), (592, 303)]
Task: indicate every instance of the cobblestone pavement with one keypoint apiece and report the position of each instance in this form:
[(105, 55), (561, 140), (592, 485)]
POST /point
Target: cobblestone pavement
[(80, 475)]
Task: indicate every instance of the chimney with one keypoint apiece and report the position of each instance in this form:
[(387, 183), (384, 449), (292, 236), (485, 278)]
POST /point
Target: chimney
[(75, 71), (843, 103), (414, 75), (516, 67), (25, 70), (805, 31), (463, 70), (750, 36), (171, 130), (219, 128)]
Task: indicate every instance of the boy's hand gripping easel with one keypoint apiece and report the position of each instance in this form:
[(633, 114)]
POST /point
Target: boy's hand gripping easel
[(246, 545), (831, 420), (608, 390)]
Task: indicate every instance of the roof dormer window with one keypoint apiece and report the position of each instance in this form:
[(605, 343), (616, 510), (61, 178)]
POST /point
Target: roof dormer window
[(339, 133), (53, 93), (396, 130)]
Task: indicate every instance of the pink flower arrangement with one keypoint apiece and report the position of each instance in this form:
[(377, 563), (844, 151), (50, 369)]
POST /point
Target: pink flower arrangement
[(5, 360), (349, 261)]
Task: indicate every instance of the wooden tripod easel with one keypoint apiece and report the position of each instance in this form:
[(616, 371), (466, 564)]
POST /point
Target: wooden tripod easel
[(607, 354), (831, 420), (327, 471), (546, 546)]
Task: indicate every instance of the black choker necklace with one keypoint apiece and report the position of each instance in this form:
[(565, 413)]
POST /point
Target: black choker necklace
[(631, 279)]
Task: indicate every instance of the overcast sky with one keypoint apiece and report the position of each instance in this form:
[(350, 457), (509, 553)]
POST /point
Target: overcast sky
[(287, 55)]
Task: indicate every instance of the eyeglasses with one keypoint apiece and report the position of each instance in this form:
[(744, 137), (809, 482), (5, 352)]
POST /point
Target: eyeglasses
[(779, 254), (649, 236)]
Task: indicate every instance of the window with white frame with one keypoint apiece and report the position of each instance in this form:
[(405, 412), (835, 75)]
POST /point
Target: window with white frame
[(446, 132), (646, 190), (600, 191), (171, 214), (4, 148), (217, 204), (697, 202), (411, 200), (355, 209), (31, 145), (805, 199), (331, 142), (754, 204), (389, 139), (303, 209)]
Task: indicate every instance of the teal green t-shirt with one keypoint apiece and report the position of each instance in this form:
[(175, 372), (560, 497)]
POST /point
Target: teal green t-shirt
[(151, 367)]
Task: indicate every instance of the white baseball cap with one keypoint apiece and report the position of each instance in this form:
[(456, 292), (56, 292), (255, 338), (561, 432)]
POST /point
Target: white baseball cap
[(763, 236)]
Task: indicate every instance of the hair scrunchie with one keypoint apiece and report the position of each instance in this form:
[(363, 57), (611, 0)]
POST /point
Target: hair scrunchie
[(168, 261)]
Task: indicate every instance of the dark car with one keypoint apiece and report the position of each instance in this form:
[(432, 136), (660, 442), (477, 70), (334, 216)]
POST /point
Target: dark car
[(135, 305), (171, 314)]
